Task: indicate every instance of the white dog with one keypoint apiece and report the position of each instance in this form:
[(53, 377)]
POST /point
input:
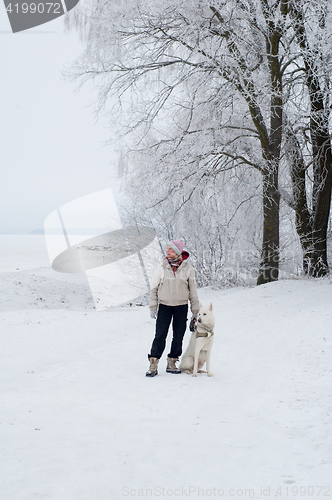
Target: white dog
[(199, 348)]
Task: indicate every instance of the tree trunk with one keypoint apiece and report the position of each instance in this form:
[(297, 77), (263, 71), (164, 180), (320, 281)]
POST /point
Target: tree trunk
[(303, 220), (312, 229), (321, 149), (319, 265), (269, 267)]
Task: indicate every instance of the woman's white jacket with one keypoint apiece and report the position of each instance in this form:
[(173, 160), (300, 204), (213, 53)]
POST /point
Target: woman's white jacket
[(174, 290)]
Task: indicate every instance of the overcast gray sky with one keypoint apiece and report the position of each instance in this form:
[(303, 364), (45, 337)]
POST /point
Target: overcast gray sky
[(51, 148)]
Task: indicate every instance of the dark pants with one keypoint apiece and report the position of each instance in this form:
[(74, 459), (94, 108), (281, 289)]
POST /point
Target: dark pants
[(164, 318)]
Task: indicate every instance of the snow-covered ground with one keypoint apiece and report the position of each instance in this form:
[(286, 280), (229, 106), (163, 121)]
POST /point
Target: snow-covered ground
[(80, 421)]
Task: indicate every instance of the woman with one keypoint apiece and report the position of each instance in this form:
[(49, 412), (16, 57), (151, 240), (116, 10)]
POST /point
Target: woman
[(172, 286)]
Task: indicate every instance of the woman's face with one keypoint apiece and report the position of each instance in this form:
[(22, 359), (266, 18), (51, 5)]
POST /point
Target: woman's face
[(171, 253)]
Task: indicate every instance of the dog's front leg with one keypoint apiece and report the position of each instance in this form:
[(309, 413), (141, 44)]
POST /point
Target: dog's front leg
[(198, 346), (208, 355)]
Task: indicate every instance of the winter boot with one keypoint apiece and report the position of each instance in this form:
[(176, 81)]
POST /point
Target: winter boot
[(153, 370), (171, 367)]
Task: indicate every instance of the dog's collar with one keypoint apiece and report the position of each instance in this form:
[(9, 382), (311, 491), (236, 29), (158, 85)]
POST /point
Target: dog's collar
[(207, 333), (204, 334)]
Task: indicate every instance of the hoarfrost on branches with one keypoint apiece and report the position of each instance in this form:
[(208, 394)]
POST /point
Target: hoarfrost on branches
[(212, 105)]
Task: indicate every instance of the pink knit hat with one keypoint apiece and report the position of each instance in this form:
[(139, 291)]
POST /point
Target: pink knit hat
[(177, 245)]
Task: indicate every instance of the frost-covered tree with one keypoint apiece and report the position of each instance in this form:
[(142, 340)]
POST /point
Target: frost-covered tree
[(200, 88), (223, 249), (308, 137)]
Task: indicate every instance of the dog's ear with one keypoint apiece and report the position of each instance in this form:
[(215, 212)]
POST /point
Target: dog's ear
[(210, 306), (200, 304)]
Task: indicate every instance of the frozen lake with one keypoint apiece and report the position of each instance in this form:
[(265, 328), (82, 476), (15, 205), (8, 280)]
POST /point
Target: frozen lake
[(22, 251)]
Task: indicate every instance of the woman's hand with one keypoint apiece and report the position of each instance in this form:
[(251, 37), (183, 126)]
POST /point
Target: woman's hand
[(192, 322)]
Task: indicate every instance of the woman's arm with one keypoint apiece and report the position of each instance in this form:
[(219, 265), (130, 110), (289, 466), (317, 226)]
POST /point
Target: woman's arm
[(155, 282), (193, 295)]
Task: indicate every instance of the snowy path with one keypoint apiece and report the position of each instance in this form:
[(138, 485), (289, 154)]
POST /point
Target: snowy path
[(80, 421)]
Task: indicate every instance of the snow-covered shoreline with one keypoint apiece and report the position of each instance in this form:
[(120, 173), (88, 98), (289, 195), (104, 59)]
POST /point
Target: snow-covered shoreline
[(80, 421)]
